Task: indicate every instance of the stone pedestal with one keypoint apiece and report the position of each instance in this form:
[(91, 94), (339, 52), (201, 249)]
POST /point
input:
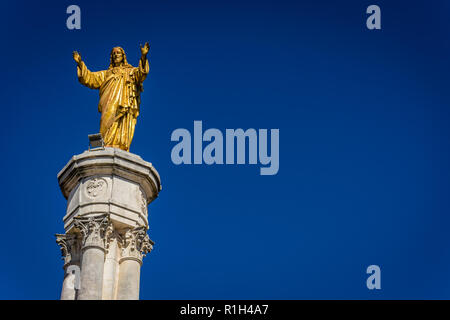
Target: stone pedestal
[(106, 223)]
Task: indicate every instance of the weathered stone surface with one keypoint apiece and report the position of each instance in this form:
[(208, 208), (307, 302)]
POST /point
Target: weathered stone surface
[(109, 181), (111, 267), (106, 222), (93, 231), (128, 286), (71, 250)]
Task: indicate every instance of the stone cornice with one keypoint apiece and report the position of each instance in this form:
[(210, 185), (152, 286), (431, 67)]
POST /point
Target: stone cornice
[(110, 161)]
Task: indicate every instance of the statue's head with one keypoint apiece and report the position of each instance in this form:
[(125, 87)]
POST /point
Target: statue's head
[(118, 58)]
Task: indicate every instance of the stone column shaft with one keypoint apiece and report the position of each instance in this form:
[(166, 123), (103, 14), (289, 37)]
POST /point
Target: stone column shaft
[(111, 271), (69, 290), (92, 274), (108, 191), (93, 256), (135, 245), (70, 249), (129, 276)]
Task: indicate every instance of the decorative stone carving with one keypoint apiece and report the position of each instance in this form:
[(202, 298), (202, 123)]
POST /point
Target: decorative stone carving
[(110, 235), (96, 187), (143, 202), (109, 181), (70, 247), (93, 230), (108, 192), (136, 244)]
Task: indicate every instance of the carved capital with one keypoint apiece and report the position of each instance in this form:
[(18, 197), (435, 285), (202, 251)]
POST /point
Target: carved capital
[(110, 235), (70, 247), (136, 244), (93, 230)]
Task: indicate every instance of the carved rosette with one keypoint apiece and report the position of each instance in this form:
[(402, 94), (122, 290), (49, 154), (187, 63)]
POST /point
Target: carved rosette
[(136, 244), (93, 230), (70, 247), (96, 187)]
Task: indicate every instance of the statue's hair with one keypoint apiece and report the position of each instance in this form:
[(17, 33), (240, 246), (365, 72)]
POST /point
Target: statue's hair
[(111, 61)]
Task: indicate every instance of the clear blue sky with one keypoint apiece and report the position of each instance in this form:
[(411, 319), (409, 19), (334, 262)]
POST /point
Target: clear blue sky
[(364, 144)]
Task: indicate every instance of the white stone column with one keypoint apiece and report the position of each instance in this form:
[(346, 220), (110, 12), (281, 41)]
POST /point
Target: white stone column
[(135, 245), (70, 250), (129, 276), (108, 191), (111, 269), (92, 256)]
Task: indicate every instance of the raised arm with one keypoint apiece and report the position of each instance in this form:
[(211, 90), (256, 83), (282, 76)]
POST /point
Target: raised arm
[(144, 66), (90, 79)]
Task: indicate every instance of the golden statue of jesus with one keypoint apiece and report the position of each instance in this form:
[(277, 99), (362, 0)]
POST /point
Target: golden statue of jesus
[(120, 87)]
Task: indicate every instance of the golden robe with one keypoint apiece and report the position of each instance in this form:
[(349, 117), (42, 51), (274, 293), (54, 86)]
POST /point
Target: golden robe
[(120, 89)]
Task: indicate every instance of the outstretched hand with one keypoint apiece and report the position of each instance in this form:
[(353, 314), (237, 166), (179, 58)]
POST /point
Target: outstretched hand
[(76, 57), (145, 49)]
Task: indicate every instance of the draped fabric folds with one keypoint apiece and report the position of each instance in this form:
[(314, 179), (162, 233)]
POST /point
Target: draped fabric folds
[(119, 89)]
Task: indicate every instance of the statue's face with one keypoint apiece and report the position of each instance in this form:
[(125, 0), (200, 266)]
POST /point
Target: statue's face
[(117, 56)]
